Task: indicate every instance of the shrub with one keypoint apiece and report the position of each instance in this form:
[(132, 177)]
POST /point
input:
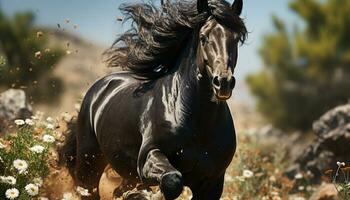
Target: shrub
[(26, 59)]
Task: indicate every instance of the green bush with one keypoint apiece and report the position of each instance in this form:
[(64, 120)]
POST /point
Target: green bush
[(306, 70), (24, 159), (26, 59)]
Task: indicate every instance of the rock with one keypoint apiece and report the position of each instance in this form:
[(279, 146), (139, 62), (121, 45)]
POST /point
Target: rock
[(331, 145), (13, 105), (325, 192)]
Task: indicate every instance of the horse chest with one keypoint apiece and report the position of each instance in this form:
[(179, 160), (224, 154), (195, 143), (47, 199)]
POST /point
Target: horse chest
[(205, 160)]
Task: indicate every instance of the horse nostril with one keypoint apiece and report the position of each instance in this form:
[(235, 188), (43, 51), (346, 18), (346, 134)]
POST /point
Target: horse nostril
[(216, 82), (233, 83)]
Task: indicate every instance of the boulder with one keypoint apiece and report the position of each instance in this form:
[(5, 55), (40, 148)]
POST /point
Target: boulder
[(332, 141), (13, 105), (325, 192)]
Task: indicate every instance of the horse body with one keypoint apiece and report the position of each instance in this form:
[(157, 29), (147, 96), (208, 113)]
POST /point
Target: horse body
[(174, 114), (171, 130)]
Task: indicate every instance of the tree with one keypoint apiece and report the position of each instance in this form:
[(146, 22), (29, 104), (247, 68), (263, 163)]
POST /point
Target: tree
[(306, 70), (25, 59)]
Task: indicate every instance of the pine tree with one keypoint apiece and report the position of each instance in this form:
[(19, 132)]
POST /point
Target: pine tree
[(306, 69)]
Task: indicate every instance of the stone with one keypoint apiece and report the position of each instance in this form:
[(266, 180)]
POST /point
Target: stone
[(325, 192), (332, 141), (13, 105)]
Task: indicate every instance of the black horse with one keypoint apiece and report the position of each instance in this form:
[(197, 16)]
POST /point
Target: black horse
[(163, 121)]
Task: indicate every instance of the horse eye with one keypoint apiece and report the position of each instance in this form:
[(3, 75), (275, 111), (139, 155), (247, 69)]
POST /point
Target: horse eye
[(203, 39)]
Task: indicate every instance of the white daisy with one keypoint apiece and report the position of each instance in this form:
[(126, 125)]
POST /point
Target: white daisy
[(8, 179), (37, 149), (49, 119), (12, 193), (67, 196), (82, 191), (298, 176), (32, 189), (29, 122), (341, 164), (19, 122), (50, 126), (247, 173), (38, 181), (20, 165), (48, 138)]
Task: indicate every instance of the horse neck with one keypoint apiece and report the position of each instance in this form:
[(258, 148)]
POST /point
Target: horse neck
[(196, 88)]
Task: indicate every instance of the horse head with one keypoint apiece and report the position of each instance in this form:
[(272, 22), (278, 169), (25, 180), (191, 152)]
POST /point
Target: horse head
[(218, 46)]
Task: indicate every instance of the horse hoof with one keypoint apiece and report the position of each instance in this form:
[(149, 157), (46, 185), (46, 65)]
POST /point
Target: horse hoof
[(171, 185)]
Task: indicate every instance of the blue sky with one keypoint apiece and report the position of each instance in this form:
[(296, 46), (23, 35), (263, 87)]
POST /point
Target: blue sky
[(97, 22)]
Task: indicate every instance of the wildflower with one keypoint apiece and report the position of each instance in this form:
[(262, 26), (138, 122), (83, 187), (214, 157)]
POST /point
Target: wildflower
[(8, 179), (12, 193), (67, 196), (29, 122), (32, 189), (38, 55), (240, 178), (298, 176), (273, 193), (19, 122), (37, 149), (82, 191), (38, 181), (341, 164), (20, 165), (49, 119), (48, 139), (50, 126), (272, 179), (247, 173), (301, 188), (276, 198)]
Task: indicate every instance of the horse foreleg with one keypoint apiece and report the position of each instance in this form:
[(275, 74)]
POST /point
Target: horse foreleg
[(209, 190), (157, 168)]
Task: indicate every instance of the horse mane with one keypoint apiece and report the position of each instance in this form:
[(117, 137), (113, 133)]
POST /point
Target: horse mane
[(153, 44)]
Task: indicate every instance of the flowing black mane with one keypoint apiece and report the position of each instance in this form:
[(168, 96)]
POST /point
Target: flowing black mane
[(157, 35)]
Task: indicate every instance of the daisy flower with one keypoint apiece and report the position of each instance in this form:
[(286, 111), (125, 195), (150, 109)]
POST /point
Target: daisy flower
[(49, 119), (82, 191), (12, 193), (19, 122), (29, 122), (37, 149), (20, 165), (8, 179), (298, 176), (67, 196), (50, 126), (38, 181), (247, 173), (48, 139), (32, 189)]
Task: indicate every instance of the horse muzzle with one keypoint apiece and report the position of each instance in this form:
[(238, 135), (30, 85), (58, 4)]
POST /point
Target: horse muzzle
[(223, 87)]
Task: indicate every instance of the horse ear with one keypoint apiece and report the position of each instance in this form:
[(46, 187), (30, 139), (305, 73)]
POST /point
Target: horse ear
[(202, 5), (237, 6)]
